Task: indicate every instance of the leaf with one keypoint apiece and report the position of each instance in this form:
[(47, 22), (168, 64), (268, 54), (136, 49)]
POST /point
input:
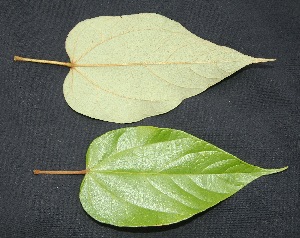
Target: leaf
[(148, 176), (126, 68)]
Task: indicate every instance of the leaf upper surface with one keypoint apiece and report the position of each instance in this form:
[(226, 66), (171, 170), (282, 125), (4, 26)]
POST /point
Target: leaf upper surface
[(148, 176), (131, 67)]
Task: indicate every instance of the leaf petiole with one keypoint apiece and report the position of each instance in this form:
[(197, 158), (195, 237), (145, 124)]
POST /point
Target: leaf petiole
[(36, 171), (67, 64)]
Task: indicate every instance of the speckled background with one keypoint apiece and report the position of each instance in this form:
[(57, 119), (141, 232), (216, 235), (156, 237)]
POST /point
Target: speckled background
[(254, 114)]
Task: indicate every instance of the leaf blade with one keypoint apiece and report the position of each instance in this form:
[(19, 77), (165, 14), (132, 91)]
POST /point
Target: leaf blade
[(146, 64), (159, 176)]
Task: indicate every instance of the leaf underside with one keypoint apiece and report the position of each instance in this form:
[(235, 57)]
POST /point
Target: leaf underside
[(130, 67), (148, 176)]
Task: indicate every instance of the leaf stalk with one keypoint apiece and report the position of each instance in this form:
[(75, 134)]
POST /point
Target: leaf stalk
[(67, 64), (66, 172)]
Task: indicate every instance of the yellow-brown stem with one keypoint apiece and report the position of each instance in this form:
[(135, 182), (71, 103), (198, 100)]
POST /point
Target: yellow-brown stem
[(36, 171), (67, 64)]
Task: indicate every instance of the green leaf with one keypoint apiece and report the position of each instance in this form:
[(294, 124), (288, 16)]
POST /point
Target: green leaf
[(148, 176)]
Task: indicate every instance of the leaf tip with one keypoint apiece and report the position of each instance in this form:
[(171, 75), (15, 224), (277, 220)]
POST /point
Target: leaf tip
[(282, 169), (273, 171), (262, 60)]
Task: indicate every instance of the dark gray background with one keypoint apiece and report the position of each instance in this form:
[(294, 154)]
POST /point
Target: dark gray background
[(253, 114)]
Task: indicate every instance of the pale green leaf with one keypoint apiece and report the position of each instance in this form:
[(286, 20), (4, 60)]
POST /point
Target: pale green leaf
[(148, 176), (126, 68)]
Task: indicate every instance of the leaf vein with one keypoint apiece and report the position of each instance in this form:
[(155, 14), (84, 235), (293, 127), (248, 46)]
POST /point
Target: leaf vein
[(162, 79), (111, 92), (97, 182), (201, 75), (116, 36), (167, 166), (205, 188), (217, 162), (143, 146), (184, 189), (155, 186)]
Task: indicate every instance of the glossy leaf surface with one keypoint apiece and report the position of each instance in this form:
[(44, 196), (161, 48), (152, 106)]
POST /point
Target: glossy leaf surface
[(148, 176), (126, 68)]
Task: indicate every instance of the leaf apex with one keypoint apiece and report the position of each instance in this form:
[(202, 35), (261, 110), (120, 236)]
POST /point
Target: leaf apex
[(273, 171), (262, 60)]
